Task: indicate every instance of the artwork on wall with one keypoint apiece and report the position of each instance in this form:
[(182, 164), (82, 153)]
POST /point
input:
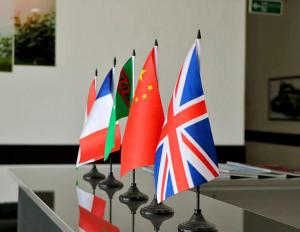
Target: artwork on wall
[(284, 98), (35, 32), (6, 33)]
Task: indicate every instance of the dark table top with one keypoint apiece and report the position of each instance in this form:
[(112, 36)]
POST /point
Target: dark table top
[(61, 181)]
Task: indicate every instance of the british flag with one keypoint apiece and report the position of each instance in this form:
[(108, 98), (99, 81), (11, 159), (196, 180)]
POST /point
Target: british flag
[(185, 156)]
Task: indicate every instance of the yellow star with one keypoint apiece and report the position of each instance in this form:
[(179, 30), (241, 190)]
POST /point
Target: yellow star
[(150, 87), (144, 96), (141, 75), (136, 99)]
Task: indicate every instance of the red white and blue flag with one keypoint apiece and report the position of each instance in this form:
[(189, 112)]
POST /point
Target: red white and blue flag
[(93, 135), (91, 213), (185, 156), (91, 203)]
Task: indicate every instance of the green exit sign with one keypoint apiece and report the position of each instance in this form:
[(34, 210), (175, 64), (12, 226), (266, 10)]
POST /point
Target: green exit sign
[(271, 7)]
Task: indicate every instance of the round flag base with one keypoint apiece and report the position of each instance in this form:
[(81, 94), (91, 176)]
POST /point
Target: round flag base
[(157, 213), (197, 223), (110, 185), (133, 198), (93, 183), (93, 174)]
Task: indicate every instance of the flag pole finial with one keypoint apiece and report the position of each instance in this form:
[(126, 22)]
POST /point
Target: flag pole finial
[(199, 34), (115, 61), (155, 43), (96, 72), (133, 52)]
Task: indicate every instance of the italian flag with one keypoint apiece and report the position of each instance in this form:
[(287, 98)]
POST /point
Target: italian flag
[(122, 102)]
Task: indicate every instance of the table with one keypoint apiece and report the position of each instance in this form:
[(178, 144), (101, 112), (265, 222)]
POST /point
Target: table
[(58, 182)]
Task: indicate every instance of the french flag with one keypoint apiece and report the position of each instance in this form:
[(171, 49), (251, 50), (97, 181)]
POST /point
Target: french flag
[(93, 135), (91, 203), (91, 213)]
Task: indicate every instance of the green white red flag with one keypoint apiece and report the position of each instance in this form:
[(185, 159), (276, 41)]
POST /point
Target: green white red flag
[(122, 103)]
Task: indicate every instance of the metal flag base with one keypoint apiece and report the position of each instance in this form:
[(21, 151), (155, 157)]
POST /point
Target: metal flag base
[(93, 183), (133, 198), (93, 174), (197, 223), (110, 185), (157, 213)]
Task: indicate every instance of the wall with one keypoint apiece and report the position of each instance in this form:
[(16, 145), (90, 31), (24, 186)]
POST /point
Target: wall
[(45, 105), (272, 51)]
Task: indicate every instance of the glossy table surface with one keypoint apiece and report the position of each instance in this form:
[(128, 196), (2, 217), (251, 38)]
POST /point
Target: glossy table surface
[(61, 180)]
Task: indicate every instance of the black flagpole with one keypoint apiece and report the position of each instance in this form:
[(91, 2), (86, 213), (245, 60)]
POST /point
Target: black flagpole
[(156, 213), (94, 175), (197, 222), (110, 184), (133, 198)]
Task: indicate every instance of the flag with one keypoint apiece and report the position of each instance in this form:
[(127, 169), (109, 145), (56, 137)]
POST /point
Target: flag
[(90, 223), (144, 121), (90, 102), (93, 135), (122, 102), (91, 99), (91, 203), (185, 155)]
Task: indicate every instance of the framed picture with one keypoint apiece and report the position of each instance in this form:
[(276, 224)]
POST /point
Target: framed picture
[(6, 35), (35, 32), (284, 98)]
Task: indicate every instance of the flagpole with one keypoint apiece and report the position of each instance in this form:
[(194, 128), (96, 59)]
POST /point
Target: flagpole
[(94, 175), (113, 77), (133, 198), (156, 58), (197, 222), (198, 198), (132, 86), (133, 73), (133, 222), (110, 184), (110, 210), (133, 176)]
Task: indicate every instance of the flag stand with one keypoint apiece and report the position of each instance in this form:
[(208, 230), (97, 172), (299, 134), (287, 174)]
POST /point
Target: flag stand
[(157, 213), (110, 184), (133, 198), (93, 183), (93, 174), (133, 222), (197, 222)]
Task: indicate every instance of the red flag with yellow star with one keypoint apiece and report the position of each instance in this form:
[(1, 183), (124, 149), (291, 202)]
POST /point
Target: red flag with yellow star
[(145, 120)]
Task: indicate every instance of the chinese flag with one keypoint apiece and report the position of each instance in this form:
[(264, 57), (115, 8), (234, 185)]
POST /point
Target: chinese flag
[(145, 120)]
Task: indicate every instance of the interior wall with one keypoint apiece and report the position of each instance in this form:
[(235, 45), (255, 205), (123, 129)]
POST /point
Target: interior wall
[(45, 105), (272, 51)]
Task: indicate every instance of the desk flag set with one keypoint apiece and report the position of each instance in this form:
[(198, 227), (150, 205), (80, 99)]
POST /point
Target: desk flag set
[(180, 145)]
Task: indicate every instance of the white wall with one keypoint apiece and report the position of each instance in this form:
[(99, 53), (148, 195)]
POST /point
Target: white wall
[(272, 51), (45, 105)]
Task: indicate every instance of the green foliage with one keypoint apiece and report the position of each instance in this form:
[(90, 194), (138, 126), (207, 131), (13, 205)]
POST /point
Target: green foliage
[(5, 53), (35, 40)]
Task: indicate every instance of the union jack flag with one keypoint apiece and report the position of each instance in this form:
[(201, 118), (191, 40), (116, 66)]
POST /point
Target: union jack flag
[(185, 156)]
